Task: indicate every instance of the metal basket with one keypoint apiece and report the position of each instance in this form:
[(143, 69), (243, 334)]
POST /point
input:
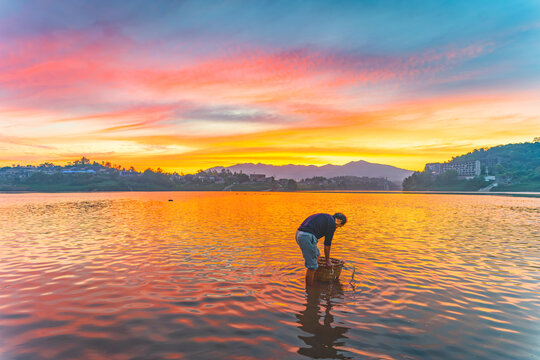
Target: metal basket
[(325, 273)]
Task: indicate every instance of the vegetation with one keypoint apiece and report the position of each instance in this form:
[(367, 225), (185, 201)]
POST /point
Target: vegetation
[(447, 181), (515, 167), (82, 175), (347, 183)]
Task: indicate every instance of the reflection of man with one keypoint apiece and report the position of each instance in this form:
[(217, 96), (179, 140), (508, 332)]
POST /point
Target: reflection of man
[(312, 229), (323, 338)]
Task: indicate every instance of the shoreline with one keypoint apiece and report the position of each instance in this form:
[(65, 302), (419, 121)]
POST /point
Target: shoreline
[(433, 192), (426, 192)]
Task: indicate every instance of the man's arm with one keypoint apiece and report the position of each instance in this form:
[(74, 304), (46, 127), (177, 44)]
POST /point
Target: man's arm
[(327, 255), (328, 240)]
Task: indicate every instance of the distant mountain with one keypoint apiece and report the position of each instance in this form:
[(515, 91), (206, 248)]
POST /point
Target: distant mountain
[(298, 172)]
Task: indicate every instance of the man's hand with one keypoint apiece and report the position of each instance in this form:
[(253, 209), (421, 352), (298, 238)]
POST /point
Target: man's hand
[(329, 263)]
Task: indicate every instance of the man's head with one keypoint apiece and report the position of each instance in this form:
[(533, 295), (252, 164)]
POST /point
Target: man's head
[(340, 219)]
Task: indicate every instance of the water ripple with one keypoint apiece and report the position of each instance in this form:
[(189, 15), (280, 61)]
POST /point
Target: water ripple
[(218, 275)]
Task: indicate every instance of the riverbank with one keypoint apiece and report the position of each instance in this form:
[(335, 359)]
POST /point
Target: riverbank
[(497, 193), (521, 193)]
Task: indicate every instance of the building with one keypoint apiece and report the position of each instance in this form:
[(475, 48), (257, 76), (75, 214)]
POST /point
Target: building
[(257, 177), (466, 169), (78, 171), (434, 168), (490, 163)]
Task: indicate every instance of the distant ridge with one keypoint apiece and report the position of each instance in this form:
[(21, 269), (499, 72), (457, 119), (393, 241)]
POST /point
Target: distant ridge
[(298, 172)]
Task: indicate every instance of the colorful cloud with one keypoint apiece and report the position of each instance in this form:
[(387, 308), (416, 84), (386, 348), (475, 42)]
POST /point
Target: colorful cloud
[(185, 86)]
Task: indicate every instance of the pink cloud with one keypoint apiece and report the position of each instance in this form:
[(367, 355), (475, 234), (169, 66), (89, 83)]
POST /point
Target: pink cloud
[(15, 140), (153, 111), (59, 65), (80, 66)]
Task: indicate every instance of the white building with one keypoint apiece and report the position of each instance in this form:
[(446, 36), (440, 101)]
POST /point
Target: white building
[(466, 169)]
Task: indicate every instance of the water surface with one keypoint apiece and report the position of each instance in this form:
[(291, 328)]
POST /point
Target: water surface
[(219, 275)]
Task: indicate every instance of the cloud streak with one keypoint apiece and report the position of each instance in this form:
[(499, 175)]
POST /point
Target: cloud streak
[(114, 78)]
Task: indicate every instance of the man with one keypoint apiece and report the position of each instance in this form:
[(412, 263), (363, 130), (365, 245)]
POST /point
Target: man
[(313, 228)]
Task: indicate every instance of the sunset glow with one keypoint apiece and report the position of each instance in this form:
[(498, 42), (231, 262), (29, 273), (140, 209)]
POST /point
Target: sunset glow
[(191, 85)]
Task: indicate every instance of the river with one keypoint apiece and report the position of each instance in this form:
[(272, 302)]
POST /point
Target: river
[(218, 275)]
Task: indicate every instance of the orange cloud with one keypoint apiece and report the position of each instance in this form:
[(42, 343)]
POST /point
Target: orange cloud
[(105, 95)]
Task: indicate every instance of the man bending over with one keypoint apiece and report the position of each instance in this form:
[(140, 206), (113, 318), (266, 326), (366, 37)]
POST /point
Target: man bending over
[(312, 229)]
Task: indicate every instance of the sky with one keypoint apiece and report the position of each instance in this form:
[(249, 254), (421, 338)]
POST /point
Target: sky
[(188, 85)]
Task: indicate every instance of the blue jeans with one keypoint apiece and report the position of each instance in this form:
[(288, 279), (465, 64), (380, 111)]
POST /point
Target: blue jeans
[(310, 251)]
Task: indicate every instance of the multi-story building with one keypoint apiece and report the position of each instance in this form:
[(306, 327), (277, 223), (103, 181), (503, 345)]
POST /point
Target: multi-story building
[(467, 169)]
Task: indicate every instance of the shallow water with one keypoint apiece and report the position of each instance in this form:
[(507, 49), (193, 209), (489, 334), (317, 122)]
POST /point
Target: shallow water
[(219, 275)]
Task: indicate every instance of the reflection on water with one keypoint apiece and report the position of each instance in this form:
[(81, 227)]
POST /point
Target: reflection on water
[(219, 275), (317, 320)]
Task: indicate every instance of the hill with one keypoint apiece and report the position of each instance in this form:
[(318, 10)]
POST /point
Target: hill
[(298, 172), (510, 167)]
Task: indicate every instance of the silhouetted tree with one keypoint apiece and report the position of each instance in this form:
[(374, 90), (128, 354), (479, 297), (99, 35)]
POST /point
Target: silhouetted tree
[(448, 177), (292, 185), (242, 178)]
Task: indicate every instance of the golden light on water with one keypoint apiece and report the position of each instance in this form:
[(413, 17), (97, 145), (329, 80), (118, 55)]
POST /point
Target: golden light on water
[(209, 266)]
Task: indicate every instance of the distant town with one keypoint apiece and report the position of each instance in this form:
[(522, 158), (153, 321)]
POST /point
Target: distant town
[(85, 175), (512, 167)]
